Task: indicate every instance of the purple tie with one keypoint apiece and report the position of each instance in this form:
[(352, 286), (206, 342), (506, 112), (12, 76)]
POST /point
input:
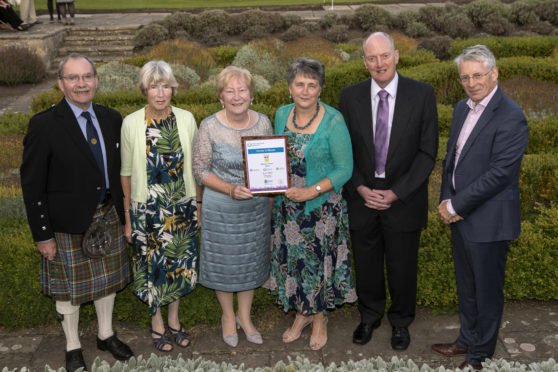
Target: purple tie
[(380, 141)]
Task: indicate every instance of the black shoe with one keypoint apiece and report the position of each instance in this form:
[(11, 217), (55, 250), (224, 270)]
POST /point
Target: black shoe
[(363, 333), (117, 348), (400, 338), (74, 360)]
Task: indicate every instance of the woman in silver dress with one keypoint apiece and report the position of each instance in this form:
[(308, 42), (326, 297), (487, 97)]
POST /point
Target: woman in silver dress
[(235, 239)]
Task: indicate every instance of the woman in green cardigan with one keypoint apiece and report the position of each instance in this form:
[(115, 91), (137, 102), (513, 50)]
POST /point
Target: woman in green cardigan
[(310, 264)]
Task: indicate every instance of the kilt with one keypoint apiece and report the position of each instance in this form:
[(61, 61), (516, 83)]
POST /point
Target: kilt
[(71, 276)]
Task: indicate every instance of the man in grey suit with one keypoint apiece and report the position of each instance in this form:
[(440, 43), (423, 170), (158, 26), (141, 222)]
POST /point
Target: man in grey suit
[(393, 123), (480, 200)]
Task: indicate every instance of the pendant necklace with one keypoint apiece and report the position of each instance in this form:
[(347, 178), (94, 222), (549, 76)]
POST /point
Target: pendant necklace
[(301, 127)]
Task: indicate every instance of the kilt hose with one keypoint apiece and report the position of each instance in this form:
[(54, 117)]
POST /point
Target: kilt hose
[(73, 277)]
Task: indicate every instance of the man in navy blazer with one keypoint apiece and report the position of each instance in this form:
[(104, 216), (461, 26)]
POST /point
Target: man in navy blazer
[(387, 194), (480, 200)]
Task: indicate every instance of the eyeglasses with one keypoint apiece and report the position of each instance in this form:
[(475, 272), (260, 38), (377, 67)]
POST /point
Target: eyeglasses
[(87, 78), (464, 79), (374, 59)]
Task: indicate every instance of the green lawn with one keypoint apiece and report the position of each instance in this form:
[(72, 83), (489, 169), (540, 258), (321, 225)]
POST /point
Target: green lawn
[(185, 4)]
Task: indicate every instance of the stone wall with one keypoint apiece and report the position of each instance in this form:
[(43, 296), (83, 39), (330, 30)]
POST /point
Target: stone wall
[(45, 44)]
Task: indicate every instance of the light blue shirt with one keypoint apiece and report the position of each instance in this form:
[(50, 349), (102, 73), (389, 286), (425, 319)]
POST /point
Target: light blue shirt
[(83, 126)]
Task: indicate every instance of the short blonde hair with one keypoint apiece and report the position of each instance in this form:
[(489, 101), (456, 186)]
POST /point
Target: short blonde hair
[(156, 72), (230, 73)]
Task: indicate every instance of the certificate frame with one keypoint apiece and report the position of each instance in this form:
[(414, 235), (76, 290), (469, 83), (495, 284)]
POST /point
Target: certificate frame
[(266, 164)]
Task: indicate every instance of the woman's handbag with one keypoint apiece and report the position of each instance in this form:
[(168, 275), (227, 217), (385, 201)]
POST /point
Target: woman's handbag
[(97, 240)]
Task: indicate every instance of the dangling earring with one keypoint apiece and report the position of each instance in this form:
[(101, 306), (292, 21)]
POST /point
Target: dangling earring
[(290, 97), (252, 101), (318, 98), (222, 104)]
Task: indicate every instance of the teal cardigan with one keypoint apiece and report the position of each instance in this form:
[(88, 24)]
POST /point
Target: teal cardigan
[(328, 154)]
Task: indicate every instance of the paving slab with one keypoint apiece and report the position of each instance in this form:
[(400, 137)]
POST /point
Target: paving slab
[(529, 333)]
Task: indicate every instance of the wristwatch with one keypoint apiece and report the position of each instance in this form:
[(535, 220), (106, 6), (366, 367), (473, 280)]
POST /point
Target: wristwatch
[(319, 189)]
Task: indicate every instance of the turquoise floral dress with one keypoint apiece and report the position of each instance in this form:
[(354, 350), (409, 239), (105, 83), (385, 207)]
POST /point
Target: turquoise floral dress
[(310, 261), (164, 231)]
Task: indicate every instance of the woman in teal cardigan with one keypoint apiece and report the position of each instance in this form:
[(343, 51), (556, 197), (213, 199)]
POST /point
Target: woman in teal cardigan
[(310, 264)]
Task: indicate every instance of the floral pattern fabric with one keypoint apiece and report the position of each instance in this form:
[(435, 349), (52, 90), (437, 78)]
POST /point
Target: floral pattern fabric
[(164, 229), (310, 259)]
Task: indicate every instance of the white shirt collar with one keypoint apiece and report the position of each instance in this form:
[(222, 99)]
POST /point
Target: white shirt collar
[(391, 88)]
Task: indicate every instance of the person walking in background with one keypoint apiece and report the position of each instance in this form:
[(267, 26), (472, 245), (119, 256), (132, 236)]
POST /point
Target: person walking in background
[(393, 124), (160, 205), (310, 260), (235, 238), (70, 177), (61, 9), (51, 11), (479, 198)]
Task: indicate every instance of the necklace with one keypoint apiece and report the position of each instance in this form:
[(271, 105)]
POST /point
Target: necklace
[(243, 127), (301, 127)]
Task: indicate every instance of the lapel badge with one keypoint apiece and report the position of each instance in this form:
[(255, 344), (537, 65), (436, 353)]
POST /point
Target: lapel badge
[(117, 144), (94, 141)]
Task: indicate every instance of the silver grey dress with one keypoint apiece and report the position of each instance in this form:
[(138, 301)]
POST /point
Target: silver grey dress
[(235, 236)]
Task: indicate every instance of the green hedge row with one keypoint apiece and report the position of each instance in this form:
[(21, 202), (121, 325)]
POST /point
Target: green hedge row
[(14, 123), (532, 46), (530, 274), (537, 183), (441, 75)]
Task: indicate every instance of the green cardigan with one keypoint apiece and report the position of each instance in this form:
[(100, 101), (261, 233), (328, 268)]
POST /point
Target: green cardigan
[(328, 154)]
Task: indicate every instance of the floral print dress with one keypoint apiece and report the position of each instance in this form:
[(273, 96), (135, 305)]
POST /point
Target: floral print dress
[(310, 261), (164, 229)]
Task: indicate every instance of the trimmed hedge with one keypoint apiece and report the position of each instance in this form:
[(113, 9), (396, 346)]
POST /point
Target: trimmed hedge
[(537, 183), (543, 136), (532, 46), (442, 76), (530, 274), (541, 69), (14, 122), (531, 268), (532, 260)]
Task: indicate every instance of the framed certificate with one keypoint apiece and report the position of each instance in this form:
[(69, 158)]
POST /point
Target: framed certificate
[(266, 164)]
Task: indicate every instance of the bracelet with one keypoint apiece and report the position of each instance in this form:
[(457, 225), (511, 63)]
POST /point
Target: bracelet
[(126, 210), (198, 201)]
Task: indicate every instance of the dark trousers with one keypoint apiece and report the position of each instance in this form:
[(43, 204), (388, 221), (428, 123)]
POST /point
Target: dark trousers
[(9, 16), (51, 9), (371, 245), (479, 272)]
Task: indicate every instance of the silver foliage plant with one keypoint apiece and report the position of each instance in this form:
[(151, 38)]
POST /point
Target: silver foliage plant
[(115, 76), (168, 364)]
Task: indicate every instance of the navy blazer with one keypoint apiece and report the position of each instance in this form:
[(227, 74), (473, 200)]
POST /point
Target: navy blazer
[(60, 178), (486, 190), (412, 150)]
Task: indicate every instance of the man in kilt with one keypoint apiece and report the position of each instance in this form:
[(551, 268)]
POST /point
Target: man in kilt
[(70, 176)]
